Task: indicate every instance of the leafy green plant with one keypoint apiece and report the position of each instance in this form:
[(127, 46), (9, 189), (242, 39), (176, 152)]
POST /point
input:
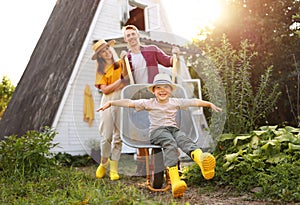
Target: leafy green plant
[(264, 157), (269, 143), (281, 182), (28, 155), (266, 160)]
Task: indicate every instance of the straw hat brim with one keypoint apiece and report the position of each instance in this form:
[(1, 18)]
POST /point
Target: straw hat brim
[(150, 88), (109, 43)]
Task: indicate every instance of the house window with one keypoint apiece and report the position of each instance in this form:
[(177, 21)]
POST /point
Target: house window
[(144, 17), (137, 18)]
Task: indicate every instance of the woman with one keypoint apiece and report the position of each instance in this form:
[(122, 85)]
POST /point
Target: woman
[(109, 81)]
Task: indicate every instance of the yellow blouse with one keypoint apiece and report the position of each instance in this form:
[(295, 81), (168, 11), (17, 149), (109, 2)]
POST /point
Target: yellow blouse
[(110, 76)]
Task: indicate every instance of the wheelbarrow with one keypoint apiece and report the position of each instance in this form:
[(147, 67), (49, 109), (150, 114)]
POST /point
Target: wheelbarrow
[(134, 130)]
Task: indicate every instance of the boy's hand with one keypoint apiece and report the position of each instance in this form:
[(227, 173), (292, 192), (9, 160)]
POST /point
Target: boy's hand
[(215, 108), (104, 107)]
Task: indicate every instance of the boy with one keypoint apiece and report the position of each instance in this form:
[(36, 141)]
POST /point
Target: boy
[(144, 61), (165, 132)]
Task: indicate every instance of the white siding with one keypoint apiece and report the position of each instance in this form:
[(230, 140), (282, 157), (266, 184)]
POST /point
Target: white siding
[(108, 23)]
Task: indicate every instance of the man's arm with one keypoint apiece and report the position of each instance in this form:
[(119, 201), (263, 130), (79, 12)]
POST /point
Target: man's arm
[(118, 103)]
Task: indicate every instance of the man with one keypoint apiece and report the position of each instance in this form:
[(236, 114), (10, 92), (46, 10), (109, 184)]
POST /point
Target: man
[(143, 59), (144, 62)]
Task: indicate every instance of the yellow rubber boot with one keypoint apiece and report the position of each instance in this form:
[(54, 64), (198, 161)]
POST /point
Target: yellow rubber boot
[(178, 185), (101, 170), (206, 162), (114, 171)]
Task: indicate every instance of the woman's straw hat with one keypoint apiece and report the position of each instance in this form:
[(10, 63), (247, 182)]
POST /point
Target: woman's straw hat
[(99, 45), (162, 79)]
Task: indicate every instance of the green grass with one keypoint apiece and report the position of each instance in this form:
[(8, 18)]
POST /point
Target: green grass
[(78, 185), (69, 186), (30, 174)]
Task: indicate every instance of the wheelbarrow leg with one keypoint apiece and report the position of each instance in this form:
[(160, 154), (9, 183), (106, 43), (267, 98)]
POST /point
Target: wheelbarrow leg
[(141, 162), (158, 170)]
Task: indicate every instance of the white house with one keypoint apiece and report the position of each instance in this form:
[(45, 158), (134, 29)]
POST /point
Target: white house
[(76, 136), (60, 72)]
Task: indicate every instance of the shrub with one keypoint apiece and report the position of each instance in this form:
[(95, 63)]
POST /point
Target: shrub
[(28, 155)]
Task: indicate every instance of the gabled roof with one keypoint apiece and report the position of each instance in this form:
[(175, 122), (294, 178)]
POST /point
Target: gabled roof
[(42, 86)]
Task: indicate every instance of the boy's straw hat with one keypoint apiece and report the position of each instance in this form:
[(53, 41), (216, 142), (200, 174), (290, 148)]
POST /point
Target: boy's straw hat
[(162, 79), (99, 45)]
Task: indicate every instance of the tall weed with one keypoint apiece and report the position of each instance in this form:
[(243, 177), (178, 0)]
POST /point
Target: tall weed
[(245, 105)]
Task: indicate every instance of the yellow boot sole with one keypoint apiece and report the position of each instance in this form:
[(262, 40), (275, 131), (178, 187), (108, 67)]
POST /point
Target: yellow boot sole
[(208, 166)]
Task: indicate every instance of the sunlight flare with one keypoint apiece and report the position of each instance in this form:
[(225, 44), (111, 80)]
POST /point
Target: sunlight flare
[(192, 15)]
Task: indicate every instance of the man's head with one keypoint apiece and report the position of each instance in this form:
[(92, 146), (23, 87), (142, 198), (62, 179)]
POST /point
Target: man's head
[(131, 35)]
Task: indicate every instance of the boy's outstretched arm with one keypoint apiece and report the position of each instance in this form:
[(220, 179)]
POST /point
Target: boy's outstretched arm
[(202, 103), (119, 103)]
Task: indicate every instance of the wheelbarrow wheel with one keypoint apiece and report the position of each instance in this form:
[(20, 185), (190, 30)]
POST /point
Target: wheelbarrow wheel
[(157, 175)]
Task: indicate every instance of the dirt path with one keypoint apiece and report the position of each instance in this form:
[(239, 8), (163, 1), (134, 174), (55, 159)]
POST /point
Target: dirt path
[(194, 194)]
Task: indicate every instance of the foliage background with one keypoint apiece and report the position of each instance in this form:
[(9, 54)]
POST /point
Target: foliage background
[(272, 28), (6, 92)]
